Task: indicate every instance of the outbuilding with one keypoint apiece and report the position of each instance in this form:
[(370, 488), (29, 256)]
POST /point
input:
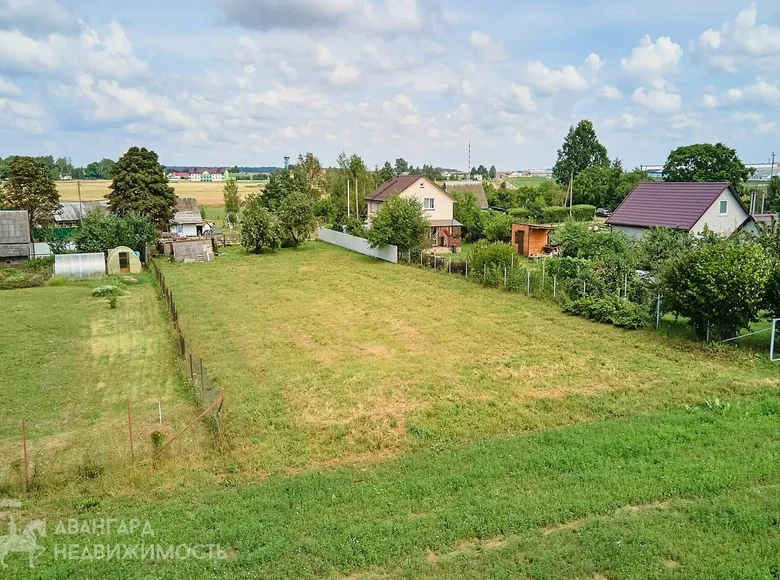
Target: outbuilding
[(531, 239), (14, 237), (123, 260)]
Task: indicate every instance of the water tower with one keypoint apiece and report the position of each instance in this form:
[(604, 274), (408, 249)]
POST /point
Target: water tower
[(286, 161)]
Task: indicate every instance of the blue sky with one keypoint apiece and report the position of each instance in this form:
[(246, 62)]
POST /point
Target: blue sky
[(224, 82)]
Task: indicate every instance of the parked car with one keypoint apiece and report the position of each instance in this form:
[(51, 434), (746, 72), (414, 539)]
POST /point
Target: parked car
[(603, 212)]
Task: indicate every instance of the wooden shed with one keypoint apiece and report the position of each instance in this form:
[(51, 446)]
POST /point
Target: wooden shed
[(14, 238), (530, 239)]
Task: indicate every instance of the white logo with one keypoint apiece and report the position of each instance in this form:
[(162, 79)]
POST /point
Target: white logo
[(25, 540)]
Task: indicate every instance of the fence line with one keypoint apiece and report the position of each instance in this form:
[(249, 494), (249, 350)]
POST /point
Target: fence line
[(206, 391)]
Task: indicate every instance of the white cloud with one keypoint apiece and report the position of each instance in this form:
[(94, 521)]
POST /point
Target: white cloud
[(710, 101), (36, 17), (401, 110), (567, 79), (523, 98), (733, 95), (657, 100), (433, 47), (486, 47), (465, 88), (377, 58), (610, 92), (650, 60), (286, 69), (63, 55), (747, 117), (681, 121), (27, 110), (765, 128), (324, 56), (763, 91), (9, 88), (385, 18), (343, 74), (740, 44), (626, 121)]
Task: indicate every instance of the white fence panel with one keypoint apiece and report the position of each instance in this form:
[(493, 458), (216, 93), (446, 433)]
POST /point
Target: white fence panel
[(388, 253), (77, 266)]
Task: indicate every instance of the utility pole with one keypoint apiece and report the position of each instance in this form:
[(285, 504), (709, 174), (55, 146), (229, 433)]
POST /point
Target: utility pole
[(772, 169), (347, 197), (468, 169), (78, 186)]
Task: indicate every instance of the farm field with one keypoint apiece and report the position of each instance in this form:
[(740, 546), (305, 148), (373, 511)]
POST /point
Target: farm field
[(527, 181), (387, 421), (71, 369), (207, 193)]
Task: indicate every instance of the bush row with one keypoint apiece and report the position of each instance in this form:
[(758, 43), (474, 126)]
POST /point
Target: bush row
[(579, 213), (610, 309)]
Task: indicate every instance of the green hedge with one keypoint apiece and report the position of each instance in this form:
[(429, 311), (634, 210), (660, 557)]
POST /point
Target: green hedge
[(579, 213), (610, 309)]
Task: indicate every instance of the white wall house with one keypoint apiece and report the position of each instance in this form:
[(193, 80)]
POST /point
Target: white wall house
[(195, 176), (691, 207), (437, 205)]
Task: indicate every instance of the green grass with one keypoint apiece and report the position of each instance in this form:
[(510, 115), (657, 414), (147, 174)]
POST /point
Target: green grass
[(328, 356), (694, 489), (527, 181), (391, 422), (70, 370)]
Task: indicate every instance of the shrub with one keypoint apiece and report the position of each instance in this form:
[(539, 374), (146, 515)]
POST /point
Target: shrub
[(106, 291), (14, 279), (498, 227), (112, 302), (772, 299), (659, 245), (58, 281), (40, 265), (520, 214), (611, 310), (722, 284), (579, 213), (484, 255)]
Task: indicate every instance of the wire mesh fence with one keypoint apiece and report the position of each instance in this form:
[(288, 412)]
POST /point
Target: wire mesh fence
[(205, 389)]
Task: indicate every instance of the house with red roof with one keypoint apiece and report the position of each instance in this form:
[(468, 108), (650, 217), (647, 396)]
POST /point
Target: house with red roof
[(689, 206), (438, 206)]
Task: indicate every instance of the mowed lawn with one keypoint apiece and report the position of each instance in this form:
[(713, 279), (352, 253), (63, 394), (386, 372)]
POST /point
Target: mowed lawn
[(207, 193), (497, 438), (328, 356), (70, 365)]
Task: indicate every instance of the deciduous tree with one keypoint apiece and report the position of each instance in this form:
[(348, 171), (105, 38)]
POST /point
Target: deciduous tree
[(296, 218), (140, 186), (386, 173), (401, 165), (581, 149), (30, 187), (260, 228), (706, 162), (232, 201), (401, 222), (100, 232)]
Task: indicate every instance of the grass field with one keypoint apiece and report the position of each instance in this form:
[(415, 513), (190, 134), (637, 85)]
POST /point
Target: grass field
[(332, 357), (207, 193), (527, 181), (392, 422), (71, 369)]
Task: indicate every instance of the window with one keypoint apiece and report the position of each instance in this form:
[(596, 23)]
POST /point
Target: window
[(724, 207), (428, 204)]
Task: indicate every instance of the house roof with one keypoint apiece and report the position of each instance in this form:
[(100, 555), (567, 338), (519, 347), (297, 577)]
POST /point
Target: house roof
[(397, 185), (474, 187), (444, 223), (187, 211), (667, 204), (764, 218), (73, 211), (14, 234)]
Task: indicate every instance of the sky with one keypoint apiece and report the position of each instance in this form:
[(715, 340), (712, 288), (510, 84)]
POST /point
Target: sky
[(245, 82)]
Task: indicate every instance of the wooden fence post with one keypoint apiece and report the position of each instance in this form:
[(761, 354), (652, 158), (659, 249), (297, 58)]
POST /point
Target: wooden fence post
[(26, 460), (202, 378), (222, 415)]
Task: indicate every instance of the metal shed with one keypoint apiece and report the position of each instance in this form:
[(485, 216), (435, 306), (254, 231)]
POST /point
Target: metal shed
[(14, 237)]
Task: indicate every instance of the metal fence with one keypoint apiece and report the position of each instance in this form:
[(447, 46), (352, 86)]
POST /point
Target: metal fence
[(209, 395)]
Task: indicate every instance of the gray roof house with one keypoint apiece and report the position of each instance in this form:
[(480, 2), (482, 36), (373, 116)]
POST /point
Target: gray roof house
[(14, 237), (475, 187), (682, 206), (70, 213)]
